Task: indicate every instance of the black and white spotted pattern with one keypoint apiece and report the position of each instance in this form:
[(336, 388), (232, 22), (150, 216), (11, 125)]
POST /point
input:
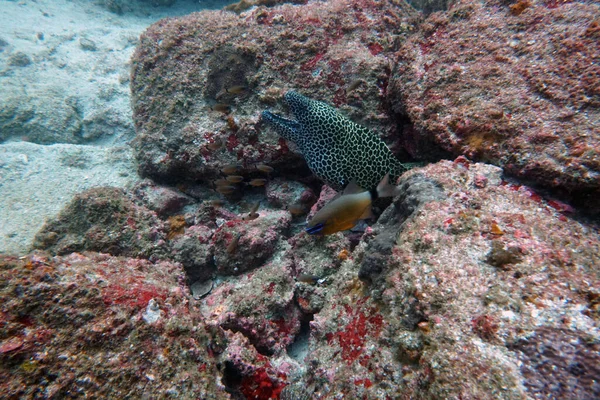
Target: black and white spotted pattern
[(336, 149)]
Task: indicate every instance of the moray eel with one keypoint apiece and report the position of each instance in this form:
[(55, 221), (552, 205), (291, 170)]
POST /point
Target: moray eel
[(336, 149), (344, 212)]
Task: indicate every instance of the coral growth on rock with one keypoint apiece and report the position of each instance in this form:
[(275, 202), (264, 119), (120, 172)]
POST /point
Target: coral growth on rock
[(525, 97), (333, 51), (99, 326), (468, 284)]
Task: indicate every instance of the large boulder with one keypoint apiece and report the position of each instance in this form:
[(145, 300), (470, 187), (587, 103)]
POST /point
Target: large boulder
[(102, 326), (200, 82), (484, 289), (514, 85)]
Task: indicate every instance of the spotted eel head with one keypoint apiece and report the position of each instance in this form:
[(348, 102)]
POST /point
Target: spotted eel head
[(299, 105)]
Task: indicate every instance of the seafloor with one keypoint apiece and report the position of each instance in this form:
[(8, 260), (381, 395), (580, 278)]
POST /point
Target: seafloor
[(152, 240)]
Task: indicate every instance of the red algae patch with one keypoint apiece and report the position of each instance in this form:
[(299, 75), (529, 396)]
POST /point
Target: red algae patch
[(105, 326)]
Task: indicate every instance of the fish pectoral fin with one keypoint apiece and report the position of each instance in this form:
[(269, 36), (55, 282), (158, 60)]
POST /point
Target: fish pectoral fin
[(315, 229)]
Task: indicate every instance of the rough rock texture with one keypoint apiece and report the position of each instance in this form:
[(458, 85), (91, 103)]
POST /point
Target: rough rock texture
[(332, 51), (526, 97), (244, 245), (439, 312), (106, 220), (103, 327), (560, 363), (465, 277)]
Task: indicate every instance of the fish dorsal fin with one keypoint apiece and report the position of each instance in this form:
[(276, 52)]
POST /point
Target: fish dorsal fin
[(352, 188)]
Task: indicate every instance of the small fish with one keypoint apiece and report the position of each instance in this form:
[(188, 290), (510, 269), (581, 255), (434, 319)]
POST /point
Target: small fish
[(257, 182), (216, 203), (252, 214), (234, 178), (238, 89), (215, 144), (231, 169), (296, 209), (226, 189), (222, 182), (221, 107), (306, 278), (232, 246), (353, 85), (344, 212), (264, 168)]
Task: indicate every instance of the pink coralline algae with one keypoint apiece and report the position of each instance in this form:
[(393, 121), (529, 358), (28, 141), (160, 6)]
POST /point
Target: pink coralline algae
[(78, 326), (519, 90)]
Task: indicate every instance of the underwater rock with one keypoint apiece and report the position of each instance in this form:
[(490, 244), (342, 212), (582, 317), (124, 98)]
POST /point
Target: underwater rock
[(184, 72), (241, 246), (560, 363), (260, 305), (437, 312), (102, 326), (107, 220), (526, 97), (416, 191), (194, 249), (163, 200), (284, 193)]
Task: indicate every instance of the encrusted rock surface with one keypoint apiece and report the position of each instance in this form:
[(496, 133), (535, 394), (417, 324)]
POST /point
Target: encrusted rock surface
[(512, 84), (466, 277), (439, 320), (183, 68), (103, 327), (107, 220)]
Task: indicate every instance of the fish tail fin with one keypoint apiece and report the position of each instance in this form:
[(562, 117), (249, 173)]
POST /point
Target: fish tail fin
[(384, 189)]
